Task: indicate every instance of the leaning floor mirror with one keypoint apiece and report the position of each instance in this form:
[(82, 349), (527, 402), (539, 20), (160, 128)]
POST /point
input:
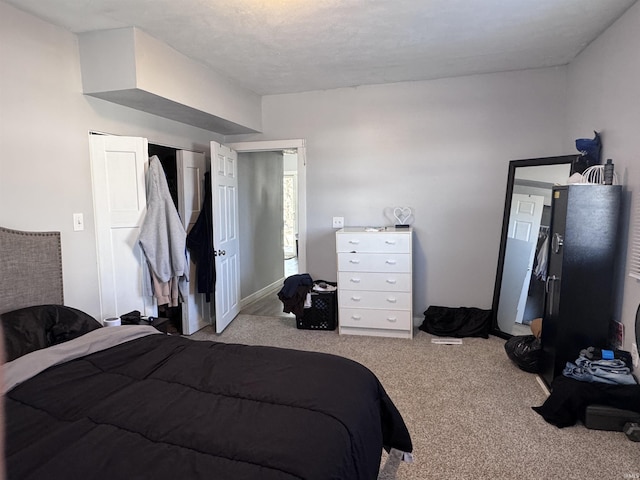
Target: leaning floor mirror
[(520, 279)]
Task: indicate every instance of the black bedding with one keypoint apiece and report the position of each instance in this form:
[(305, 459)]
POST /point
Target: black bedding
[(167, 407)]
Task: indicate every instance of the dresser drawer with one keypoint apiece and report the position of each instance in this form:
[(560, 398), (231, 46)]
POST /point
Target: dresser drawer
[(362, 299), (374, 262), (386, 282), (363, 318), (373, 242)]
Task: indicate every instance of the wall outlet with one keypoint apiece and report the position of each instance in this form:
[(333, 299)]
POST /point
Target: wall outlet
[(338, 222), (635, 356)]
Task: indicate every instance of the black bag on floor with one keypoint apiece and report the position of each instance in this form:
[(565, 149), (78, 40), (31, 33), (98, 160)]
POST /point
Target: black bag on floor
[(525, 352), (457, 322)]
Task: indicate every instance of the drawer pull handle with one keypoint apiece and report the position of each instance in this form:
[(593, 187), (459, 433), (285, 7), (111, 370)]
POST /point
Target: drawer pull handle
[(392, 281), (356, 317), (354, 242), (354, 280), (390, 242), (392, 300), (354, 261), (356, 299), (392, 319), (391, 262)]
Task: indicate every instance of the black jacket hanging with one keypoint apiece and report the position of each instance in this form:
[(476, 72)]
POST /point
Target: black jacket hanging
[(200, 244)]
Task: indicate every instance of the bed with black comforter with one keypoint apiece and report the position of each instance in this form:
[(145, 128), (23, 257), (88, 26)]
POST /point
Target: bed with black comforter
[(87, 402)]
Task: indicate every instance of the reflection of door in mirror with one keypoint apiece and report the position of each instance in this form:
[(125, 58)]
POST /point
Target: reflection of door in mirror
[(524, 226), (522, 239), (519, 295)]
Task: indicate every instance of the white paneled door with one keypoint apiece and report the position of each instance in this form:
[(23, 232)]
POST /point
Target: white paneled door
[(524, 225), (191, 166), (224, 188), (118, 167)]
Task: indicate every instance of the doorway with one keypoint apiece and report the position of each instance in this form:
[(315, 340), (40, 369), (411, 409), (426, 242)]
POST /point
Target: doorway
[(289, 147)]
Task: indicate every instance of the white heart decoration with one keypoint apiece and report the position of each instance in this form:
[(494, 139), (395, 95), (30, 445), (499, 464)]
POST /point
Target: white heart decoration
[(402, 214)]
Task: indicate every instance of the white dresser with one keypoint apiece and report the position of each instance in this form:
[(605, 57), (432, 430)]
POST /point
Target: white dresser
[(375, 281)]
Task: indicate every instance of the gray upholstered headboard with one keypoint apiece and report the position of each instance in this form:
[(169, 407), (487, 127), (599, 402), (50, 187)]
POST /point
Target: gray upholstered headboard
[(30, 269)]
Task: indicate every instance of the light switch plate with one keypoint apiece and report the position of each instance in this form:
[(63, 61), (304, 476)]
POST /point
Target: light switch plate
[(78, 222)]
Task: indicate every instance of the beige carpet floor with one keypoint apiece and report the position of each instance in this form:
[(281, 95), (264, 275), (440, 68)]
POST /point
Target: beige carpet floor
[(468, 407)]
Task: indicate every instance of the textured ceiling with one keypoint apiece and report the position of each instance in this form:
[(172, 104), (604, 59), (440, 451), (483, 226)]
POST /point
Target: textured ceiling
[(286, 46)]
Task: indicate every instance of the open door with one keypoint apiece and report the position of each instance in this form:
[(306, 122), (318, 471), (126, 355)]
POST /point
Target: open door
[(224, 195), (118, 167), (196, 311)]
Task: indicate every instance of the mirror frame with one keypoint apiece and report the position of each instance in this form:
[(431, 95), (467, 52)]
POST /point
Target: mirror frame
[(513, 164)]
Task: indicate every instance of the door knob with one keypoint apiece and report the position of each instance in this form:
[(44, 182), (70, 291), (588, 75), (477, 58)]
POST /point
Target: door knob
[(219, 253)]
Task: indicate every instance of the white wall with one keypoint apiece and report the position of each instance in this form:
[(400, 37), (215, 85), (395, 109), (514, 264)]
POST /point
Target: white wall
[(604, 95), (441, 147), (44, 124)]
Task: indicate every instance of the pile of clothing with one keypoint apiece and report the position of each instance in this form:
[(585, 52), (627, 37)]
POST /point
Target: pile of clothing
[(597, 377), (295, 294), (604, 366)]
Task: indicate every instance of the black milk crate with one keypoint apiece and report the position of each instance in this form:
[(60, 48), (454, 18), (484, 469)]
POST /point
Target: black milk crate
[(323, 314)]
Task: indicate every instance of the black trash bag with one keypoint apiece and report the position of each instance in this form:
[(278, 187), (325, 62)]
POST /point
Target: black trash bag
[(456, 322), (525, 351)]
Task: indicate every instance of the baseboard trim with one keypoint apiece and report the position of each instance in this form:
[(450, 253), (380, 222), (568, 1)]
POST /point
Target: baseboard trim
[(263, 292), (543, 385)]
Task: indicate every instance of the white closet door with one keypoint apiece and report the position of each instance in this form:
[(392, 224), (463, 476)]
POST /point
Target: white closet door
[(118, 166), (224, 195), (196, 311)]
